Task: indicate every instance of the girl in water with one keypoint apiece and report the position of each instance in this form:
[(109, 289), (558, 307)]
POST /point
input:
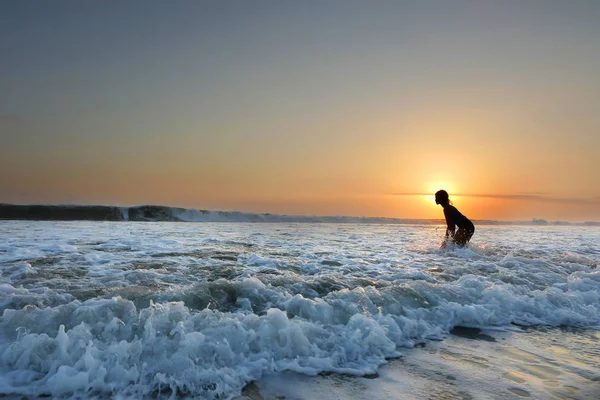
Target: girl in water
[(453, 219)]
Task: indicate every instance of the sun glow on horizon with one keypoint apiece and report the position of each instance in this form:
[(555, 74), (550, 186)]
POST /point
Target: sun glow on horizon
[(433, 187)]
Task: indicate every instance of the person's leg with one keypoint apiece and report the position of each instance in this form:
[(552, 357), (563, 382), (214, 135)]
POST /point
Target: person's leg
[(461, 237), (469, 234)]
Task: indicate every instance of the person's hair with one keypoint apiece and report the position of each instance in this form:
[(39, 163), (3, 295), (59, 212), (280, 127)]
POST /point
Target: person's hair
[(442, 197)]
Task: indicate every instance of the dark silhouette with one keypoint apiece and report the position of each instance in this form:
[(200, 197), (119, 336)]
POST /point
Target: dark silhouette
[(453, 219), (59, 213)]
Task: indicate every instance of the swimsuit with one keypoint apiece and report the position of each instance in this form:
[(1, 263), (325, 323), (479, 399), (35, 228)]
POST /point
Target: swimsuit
[(455, 218)]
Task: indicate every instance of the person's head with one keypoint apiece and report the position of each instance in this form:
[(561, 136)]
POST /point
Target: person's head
[(441, 197)]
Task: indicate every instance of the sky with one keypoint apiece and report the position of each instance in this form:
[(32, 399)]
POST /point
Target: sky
[(359, 108)]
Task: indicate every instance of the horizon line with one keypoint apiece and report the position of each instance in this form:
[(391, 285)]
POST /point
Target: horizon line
[(532, 197), (533, 220)]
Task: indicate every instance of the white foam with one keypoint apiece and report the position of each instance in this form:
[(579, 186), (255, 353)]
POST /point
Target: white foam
[(22, 270), (214, 306)]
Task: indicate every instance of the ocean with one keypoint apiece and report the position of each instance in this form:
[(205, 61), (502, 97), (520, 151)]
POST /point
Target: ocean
[(223, 310)]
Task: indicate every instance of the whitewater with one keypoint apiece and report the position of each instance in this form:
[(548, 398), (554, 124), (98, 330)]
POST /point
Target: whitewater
[(177, 309)]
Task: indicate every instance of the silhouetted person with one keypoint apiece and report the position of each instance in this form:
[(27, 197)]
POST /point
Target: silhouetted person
[(453, 219)]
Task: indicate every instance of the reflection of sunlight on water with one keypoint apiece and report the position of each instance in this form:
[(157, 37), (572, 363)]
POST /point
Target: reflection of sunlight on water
[(482, 249), (563, 361), (563, 354)]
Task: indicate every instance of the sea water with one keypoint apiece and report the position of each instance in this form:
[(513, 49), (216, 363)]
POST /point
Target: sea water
[(169, 309)]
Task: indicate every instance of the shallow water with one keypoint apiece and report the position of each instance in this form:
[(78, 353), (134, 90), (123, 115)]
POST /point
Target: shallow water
[(201, 309), (536, 363)]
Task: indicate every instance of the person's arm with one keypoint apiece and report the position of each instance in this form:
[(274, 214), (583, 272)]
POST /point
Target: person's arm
[(451, 225)]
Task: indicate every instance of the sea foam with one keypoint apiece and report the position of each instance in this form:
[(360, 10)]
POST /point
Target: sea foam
[(171, 309)]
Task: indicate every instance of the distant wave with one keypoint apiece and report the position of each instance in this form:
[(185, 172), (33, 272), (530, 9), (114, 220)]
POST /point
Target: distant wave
[(42, 212)]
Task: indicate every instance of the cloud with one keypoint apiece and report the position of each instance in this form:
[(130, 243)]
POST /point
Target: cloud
[(537, 197)]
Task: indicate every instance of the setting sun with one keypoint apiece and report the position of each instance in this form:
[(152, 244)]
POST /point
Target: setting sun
[(433, 187), (439, 185)]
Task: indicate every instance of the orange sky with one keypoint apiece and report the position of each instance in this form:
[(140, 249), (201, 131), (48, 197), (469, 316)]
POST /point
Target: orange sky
[(337, 108)]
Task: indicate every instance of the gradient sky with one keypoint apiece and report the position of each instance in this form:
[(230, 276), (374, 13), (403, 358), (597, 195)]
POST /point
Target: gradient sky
[(304, 107)]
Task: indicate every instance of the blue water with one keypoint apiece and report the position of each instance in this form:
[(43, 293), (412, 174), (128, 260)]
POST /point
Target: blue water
[(201, 309)]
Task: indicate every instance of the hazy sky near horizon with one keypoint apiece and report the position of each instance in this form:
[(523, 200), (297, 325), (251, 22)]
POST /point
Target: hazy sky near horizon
[(304, 107)]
